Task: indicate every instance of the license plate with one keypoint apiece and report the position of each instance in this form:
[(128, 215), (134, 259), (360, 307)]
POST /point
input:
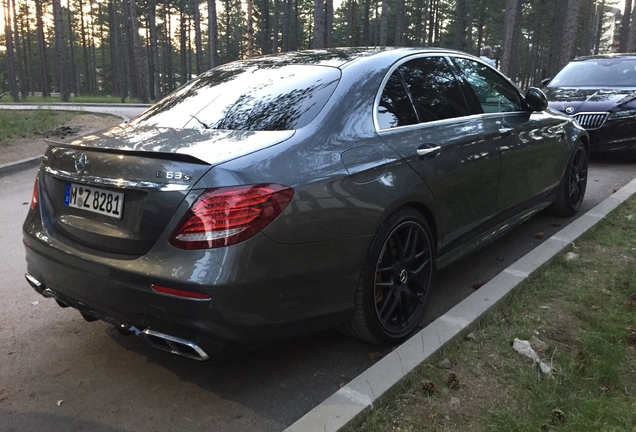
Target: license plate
[(94, 199)]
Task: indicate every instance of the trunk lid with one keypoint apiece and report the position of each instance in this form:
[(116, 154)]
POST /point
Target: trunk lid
[(116, 192)]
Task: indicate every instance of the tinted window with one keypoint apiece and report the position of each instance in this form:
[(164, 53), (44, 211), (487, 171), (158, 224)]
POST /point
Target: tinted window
[(435, 91), (247, 97), (395, 108), (494, 93), (616, 72)]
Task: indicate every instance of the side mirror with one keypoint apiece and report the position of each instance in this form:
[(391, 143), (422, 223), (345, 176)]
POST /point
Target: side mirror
[(545, 82), (536, 99)]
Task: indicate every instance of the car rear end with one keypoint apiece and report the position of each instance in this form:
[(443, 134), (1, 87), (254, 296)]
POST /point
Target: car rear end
[(140, 226)]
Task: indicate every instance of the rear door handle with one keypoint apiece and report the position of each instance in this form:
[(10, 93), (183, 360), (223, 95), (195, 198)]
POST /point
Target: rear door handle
[(426, 149)]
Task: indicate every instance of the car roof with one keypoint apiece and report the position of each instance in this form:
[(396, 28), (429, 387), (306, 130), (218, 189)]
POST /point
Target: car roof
[(340, 57), (607, 56)]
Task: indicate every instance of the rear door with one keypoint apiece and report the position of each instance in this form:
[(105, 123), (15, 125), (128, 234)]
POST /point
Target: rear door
[(422, 113)]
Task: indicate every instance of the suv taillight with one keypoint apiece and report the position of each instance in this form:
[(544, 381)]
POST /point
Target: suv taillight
[(34, 197), (229, 215)]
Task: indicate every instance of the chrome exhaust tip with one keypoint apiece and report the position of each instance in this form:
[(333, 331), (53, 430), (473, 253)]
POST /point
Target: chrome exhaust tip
[(174, 345), (35, 284)]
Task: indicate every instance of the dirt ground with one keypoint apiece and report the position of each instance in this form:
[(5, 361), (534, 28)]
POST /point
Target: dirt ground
[(24, 148)]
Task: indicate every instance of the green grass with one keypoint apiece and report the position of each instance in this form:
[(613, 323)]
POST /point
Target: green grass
[(27, 123), (74, 99), (581, 308)]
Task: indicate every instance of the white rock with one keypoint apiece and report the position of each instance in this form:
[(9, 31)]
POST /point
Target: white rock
[(523, 347)]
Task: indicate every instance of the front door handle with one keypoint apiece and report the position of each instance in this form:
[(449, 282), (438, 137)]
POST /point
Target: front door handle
[(505, 130), (424, 150)]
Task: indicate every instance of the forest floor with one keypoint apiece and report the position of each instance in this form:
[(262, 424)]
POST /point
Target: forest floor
[(67, 126)]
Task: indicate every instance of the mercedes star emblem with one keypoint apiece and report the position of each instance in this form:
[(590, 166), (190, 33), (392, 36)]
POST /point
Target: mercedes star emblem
[(80, 162)]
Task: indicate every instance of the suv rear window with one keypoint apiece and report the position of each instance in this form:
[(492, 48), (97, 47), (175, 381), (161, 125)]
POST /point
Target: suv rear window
[(247, 97)]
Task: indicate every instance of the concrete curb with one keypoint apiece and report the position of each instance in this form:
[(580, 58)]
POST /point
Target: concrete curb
[(12, 167), (356, 398)]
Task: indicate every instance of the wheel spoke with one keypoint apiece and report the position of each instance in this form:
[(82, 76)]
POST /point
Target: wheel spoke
[(389, 304), (416, 271)]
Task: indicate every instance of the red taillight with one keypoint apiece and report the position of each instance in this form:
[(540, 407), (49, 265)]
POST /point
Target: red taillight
[(226, 216), (34, 198)]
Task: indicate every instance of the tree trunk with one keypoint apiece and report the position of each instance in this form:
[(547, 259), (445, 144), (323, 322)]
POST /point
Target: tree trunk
[(399, 23), (250, 29), (384, 18), (142, 89), (509, 45), (20, 67), (197, 36), (73, 87), (154, 49), (625, 27), (569, 32), (25, 31), (182, 45), (329, 23), (60, 48), (366, 23), (631, 41), (44, 69), (169, 71), (287, 25), (11, 60), (276, 27), (320, 29), (87, 74), (213, 34), (432, 21)]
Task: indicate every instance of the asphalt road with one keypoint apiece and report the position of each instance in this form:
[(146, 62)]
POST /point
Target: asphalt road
[(60, 373)]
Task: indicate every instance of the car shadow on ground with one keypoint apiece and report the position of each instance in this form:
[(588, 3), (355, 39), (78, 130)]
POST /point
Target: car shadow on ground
[(615, 157), (281, 382)]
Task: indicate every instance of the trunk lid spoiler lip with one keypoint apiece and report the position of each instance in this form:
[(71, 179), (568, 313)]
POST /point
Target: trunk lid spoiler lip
[(209, 147)]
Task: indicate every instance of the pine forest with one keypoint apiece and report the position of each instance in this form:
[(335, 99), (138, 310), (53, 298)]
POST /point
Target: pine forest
[(144, 49)]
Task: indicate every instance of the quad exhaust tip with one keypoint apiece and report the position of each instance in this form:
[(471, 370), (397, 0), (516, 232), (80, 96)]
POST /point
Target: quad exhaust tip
[(160, 341), (174, 345)]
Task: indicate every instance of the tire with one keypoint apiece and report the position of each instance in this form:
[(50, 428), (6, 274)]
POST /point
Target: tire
[(394, 283), (573, 184)]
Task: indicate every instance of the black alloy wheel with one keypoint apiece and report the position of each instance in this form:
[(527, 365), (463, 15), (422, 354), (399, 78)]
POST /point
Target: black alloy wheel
[(402, 279), (394, 285), (578, 177), (571, 190)]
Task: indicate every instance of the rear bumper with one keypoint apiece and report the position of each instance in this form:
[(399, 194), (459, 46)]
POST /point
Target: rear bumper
[(274, 292)]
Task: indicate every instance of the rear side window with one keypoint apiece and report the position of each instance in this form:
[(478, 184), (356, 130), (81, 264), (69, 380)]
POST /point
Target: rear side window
[(419, 91), (435, 91), (247, 97), (395, 108)]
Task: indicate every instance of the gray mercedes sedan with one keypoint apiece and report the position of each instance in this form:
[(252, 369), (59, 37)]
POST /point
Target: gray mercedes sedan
[(278, 196)]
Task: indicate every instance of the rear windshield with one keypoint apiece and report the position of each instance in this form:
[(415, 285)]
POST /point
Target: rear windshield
[(619, 72), (246, 96)]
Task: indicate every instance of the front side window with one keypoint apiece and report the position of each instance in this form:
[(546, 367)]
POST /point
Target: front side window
[(247, 97), (494, 93)]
